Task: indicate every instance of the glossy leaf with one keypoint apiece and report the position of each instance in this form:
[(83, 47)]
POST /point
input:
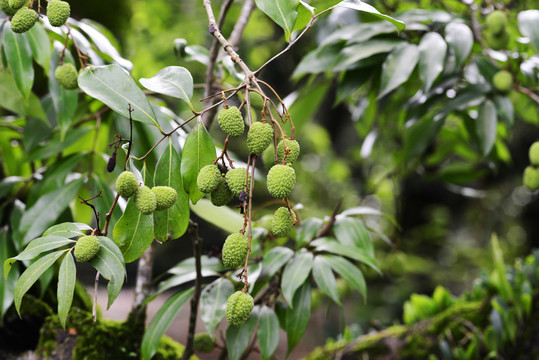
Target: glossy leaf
[(432, 50), (64, 100), (460, 40), (528, 24), (272, 262), (19, 58), (318, 60), (323, 275), (185, 272), (67, 229), (283, 12), (267, 332), (67, 277), (398, 67), (419, 135), (295, 274), (113, 86), (175, 81), (350, 55), (298, 315), (364, 7), (161, 321), (32, 274), (307, 231), (198, 151), (332, 246), (238, 337), (213, 303), (171, 223), (505, 109), (221, 216), (40, 45), (352, 232), (7, 282), (486, 126), (305, 13), (348, 272)]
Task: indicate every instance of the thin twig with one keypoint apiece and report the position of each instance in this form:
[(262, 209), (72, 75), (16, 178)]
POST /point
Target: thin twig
[(528, 93), (325, 230)]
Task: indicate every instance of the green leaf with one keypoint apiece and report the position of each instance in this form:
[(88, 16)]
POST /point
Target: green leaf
[(332, 246), (267, 332), (528, 24), (296, 273), (47, 209), (350, 55), (283, 12), (505, 109), (110, 263), (32, 274), (175, 81), (323, 275), (432, 50), (419, 135), (7, 283), (198, 151), (57, 144), (305, 13), (171, 223), (19, 58), (307, 231), (352, 232), (298, 315), (65, 101), (221, 216), (113, 86), (67, 277), (10, 96), (213, 303), (40, 45), (238, 337), (67, 230), (133, 233), (486, 126), (318, 60), (363, 7), (348, 272), (398, 67), (272, 262), (460, 40), (185, 272), (161, 321)]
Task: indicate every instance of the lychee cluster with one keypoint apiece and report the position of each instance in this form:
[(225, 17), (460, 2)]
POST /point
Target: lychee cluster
[(531, 173), (146, 200), (86, 248), (238, 308)]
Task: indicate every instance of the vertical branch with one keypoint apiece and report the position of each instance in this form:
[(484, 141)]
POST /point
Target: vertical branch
[(94, 307), (144, 276)]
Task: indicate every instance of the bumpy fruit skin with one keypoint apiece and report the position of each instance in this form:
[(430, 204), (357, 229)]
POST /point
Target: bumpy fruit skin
[(281, 181), (259, 137), (66, 75), (145, 200), (496, 22), (503, 80), (531, 178), (222, 194), (86, 248), (203, 343), (8, 10), (534, 153), (238, 308), (58, 12), (23, 20), (165, 197), (208, 178), (235, 250), (126, 184), (268, 157), (16, 4), (235, 179), (282, 222), (293, 145), (231, 121)]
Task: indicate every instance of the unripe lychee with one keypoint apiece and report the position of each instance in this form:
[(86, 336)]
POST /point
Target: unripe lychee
[(238, 308), (16, 4), (268, 157), (281, 181), (259, 137), (58, 12), (86, 248), (222, 194), (231, 121), (531, 178), (208, 178), (496, 22), (282, 223), (203, 343), (145, 200), (235, 179), (23, 20), (126, 184), (499, 41), (235, 250), (534, 153), (165, 197), (8, 10), (503, 81), (66, 75), (293, 145)]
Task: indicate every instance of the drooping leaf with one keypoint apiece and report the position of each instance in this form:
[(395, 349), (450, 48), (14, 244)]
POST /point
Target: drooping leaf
[(40, 45), (283, 12), (460, 39), (221, 216), (528, 24), (350, 55), (295, 274), (272, 262), (67, 230), (268, 331), (185, 271), (307, 231), (7, 283), (213, 303), (334, 247), (175, 81), (161, 321), (298, 315), (352, 232), (348, 272), (364, 7), (19, 58), (398, 67), (305, 13), (113, 86), (238, 337), (486, 126), (67, 277), (419, 135), (323, 275), (198, 151), (318, 60), (432, 50), (64, 100), (505, 109)]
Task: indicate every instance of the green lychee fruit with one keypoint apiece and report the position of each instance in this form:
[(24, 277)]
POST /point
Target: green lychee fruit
[(23, 20), (531, 178), (222, 194), (238, 308), (282, 223), (268, 157), (8, 10), (16, 4), (165, 197), (498, 42), (281, 181), (259, 137), (293, 145), (66, 75), (208, 178), (534, 153), (58, 12), (145, 200), (496, 22), (231, 121), (503, 81), (235, 250), (235, 179), (203, 343), (126, 184), (86, 248)]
